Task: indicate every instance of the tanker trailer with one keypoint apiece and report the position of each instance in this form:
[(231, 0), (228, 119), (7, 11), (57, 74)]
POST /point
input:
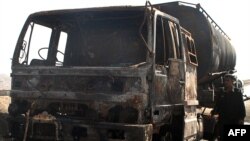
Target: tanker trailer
[(216, 55)]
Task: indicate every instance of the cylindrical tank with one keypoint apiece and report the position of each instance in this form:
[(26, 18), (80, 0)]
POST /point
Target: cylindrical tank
[(214, 50)]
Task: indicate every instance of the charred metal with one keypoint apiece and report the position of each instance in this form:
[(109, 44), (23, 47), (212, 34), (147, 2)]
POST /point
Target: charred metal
[(115, 73)]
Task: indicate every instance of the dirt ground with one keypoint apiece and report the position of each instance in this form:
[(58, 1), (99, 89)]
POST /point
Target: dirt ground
[(4, 103)]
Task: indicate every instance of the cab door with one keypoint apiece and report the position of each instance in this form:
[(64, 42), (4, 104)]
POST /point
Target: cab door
[(176, 66), (169, 70)]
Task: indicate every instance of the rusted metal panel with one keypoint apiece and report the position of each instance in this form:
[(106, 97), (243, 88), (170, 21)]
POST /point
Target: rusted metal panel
[(191, 128), (161, 95), (127, 98), (176, 81), (191, 84), (191, 69), (168, 86), (78, 71)]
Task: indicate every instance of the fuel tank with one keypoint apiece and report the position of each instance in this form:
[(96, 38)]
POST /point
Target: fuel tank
[(214, 51)]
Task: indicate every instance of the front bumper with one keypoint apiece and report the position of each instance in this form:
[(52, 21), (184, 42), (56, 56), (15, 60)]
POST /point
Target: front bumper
[(69, 130)]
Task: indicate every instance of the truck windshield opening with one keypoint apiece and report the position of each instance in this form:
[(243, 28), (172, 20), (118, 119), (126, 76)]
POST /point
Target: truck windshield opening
[(84, 39)]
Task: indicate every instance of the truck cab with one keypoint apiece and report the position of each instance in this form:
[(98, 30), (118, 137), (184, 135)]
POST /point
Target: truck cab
[(112, 73)]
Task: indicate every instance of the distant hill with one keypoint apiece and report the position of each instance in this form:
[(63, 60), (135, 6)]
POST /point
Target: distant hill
[(246, 82)]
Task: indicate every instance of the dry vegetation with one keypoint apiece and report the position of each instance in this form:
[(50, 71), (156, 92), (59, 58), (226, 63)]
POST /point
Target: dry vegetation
[(4, 103), (4, 85)]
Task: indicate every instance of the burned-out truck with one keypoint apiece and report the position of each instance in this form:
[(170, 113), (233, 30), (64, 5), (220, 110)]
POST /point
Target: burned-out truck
[(117, 73)]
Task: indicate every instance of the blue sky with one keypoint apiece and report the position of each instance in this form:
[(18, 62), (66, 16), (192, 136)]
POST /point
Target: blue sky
[(232, 16)]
